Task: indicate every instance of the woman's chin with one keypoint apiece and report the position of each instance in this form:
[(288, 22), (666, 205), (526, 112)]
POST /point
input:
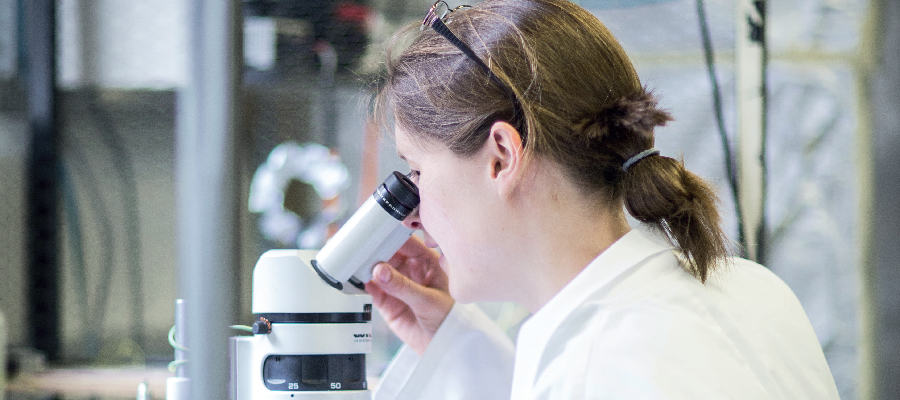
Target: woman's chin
[(460, 296), (461, 288), (465, 294)]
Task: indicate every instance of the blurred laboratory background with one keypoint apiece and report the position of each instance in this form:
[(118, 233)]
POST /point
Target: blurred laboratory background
[(153, 150)]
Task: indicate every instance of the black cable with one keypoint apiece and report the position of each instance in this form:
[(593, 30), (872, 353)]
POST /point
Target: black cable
[(43, 279), (720, 120)]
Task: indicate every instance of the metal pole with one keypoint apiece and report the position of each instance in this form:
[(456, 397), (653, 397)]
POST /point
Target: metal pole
[(750, 48), (881, 278), (43, 179), (180, 337), (206, 193)]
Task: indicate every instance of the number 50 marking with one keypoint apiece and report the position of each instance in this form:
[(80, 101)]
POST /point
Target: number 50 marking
[(335, 385)]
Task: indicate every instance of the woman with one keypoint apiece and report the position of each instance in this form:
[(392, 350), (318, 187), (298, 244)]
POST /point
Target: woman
[(527, 130)]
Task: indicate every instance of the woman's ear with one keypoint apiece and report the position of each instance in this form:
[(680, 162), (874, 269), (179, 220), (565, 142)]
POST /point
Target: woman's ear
[(505, 153)]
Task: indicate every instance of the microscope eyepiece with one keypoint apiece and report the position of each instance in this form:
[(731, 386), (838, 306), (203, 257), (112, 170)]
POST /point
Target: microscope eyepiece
[(372, 234), (398, 195)]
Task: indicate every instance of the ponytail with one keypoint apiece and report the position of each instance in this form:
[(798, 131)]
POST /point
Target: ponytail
[(659, 191), (656, 190)]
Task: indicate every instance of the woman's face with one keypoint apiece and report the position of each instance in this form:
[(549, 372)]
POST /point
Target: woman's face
[(456, 214)]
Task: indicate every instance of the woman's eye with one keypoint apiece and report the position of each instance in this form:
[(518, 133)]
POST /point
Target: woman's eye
[(414, 176)]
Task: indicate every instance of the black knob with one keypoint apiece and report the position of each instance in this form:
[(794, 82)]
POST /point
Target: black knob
[(262, 328)]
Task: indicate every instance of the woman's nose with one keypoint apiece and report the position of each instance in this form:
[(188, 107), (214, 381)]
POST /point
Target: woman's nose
[(412, 220)]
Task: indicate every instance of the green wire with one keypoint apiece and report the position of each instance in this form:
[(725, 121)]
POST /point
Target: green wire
[(174, 364), (177, 346), (173, 342), (242, 328)]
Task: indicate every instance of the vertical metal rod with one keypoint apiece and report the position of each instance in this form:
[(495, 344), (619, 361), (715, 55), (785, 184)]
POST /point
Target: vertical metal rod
[(206, 193), (4, 340), (180, 337), (880, 355), (751, 103), (43, 179)]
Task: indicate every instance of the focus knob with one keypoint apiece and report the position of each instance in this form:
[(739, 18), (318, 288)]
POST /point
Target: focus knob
[(262, 327)]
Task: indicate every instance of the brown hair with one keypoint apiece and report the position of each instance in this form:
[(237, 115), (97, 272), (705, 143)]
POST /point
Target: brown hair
[(582, 107)]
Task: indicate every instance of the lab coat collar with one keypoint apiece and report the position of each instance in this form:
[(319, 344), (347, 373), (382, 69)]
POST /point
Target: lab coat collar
[(598, 277), (623, 255)]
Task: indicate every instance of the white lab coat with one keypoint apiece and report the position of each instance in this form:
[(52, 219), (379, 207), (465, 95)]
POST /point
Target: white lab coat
[(632, 325)]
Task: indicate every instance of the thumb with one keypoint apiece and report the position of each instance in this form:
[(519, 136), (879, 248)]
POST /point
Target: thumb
[(404, 289)]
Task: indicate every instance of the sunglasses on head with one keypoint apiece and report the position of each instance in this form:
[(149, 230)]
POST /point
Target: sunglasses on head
[(433, 21)]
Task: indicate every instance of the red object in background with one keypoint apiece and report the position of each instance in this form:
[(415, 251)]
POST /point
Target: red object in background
[(352, 12)]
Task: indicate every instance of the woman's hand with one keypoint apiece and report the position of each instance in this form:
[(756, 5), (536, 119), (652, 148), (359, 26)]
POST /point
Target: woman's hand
[(411, 292)]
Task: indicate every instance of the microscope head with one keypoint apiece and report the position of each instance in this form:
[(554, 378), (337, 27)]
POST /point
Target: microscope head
[(373, 234)]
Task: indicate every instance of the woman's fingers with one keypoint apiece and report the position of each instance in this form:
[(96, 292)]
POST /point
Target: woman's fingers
[(413, 247), (403, 288), (410, 291), (414, 312), (415, 270), (419, 263)]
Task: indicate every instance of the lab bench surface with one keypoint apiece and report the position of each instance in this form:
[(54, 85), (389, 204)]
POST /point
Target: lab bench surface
[(88, 383), (95, 383)]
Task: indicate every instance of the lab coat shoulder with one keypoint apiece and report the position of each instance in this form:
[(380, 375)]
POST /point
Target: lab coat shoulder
[(766, 317), (661, 334), (648, 338)]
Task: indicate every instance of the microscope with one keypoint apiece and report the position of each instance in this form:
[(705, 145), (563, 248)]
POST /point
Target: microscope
[(313, 327)]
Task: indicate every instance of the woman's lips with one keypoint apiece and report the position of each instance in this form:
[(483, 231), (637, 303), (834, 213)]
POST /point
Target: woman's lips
[(432, 245), (429, 242)]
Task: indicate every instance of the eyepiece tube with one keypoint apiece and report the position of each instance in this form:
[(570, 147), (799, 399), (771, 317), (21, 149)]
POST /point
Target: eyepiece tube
[(372, 234)]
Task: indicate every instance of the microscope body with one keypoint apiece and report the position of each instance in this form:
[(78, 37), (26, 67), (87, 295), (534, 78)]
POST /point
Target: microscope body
[(313, 327), (310, 339)]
